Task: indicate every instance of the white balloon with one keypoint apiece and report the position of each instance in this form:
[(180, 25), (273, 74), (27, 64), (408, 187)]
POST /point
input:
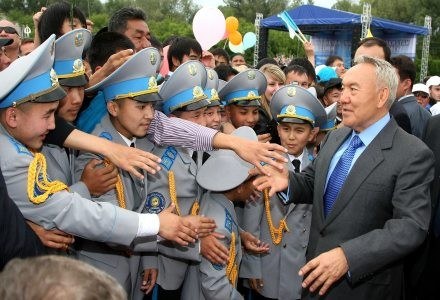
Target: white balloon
[(209, 26)]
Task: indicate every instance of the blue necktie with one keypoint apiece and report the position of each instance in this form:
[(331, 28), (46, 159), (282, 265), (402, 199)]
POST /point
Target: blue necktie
[(339, 174)]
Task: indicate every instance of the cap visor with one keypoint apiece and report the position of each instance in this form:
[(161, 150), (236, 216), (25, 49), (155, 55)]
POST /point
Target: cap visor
[(77, 81)]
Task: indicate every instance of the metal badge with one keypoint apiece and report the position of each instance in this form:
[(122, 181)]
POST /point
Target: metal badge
[(291, 91), (251, 75), (210, 74), (192, 69), (79, 39), (78, 66), (153, 58), (214, 95), (197, 92), (152, 83), (53, 77), (251, 94), (291, 110)]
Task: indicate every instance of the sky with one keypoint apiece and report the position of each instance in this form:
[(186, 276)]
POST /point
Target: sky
[(215, 3)]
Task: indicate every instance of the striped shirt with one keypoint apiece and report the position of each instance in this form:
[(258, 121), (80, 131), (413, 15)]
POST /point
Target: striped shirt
[(173, 131)]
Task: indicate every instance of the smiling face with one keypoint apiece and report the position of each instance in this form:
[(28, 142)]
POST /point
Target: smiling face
[(29, 123), (213, 117), (242, 115), (363, 101), (131, 118), (273, 85)]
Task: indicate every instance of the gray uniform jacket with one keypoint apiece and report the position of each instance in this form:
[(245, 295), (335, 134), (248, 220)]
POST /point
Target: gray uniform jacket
[(66, 211), (279, 267), (212, 282), (381, 214), (61, 167), (173, 259), (112, 259)]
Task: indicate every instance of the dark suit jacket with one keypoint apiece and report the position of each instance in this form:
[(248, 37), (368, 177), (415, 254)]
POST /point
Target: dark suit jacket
[(398, 112), (418, 116), (380, 216), (427, 287), (16, 237)]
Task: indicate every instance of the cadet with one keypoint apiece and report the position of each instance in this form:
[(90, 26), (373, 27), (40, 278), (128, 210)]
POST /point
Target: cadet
[(71, 75), (330, 124), (297, 112), (226, 178), (241, 97), (28, 101), (175, 183), (212, 112)]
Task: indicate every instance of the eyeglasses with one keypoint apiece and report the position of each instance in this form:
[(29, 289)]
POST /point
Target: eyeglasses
[(421, 94), (8, 29)]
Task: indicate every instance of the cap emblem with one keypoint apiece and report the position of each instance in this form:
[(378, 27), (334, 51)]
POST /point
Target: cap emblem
[(197, 92), (290, 110), (78, 66), (251, 75), (53, 77), (192, 69), (79, 39), (153, 58), (291, 91), (210, 74), (152, 83)]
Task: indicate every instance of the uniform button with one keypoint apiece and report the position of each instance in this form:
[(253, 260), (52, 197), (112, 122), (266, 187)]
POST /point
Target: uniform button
[(284, 246), (304, 215), (304, 246), (304, 229)]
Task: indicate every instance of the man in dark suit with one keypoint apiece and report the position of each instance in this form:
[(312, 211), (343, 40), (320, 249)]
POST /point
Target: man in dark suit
[(418, 116), (369, 187), (378, 48)]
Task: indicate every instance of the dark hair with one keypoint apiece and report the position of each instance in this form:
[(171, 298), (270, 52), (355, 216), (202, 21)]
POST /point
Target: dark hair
[(170, 40), (224, 71), (105, 45), (306, 64), (405, 67), (331, 59), (374, 41), (118, 21), (53, 17), (180, 47), (221, 52), (300, 70), (156, 43), (265, 61)]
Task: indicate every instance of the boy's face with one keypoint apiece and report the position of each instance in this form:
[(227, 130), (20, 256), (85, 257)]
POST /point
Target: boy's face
[(242, 115), (131, 118), (213, 117), (196, 116), (245, 190), (31, 122), (71, 104), (302, 80), (331, 96), (294, 137)]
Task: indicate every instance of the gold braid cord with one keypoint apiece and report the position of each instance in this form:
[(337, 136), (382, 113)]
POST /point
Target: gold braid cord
[(37, 178), (119, 188), (232, 268), (173, 196), (275, 233)]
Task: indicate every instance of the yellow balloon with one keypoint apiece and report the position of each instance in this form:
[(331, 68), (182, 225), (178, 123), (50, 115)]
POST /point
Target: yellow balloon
[(231, 24), (235, 38)]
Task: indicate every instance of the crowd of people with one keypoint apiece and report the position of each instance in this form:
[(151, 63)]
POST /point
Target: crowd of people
[(212, 179)]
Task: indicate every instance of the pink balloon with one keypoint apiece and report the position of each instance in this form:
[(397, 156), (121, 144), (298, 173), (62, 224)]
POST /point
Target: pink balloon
[(209, 26), (165, 69)]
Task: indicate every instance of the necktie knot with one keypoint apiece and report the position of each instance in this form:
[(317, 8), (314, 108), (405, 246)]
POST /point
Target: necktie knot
[(355, 142), (296, 164)]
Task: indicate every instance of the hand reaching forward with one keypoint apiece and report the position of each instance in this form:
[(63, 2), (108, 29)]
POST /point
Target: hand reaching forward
[(175, 228)]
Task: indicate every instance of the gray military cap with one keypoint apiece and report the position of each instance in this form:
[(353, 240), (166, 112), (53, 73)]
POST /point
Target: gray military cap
[(135, 79), (224, 169), (31, 78), (294, 104), (330, 123), (244, 89), (184, 89), (68, 57), (211, 87)]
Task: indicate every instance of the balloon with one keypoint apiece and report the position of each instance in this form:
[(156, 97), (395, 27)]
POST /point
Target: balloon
[(236, 48), (208, 26), (235, 38), (231, 24), (249, 40)]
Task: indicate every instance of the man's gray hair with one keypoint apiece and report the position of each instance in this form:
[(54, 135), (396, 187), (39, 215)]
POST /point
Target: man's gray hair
[(57, 277), (385, 73), (118, 21)]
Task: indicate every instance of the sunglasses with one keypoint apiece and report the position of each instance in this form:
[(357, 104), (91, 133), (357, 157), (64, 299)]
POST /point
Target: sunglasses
[(421, 94), (8, 29)]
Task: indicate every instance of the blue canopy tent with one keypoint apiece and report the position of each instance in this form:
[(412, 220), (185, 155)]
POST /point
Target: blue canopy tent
[(337, 25)]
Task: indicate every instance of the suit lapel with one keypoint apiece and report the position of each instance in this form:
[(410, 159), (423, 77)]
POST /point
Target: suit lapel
[(364, 165)]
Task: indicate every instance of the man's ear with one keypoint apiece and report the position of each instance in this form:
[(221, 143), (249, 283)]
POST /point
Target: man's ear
[(11, 117), (112, 108), (176, 62), (384, 93)]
